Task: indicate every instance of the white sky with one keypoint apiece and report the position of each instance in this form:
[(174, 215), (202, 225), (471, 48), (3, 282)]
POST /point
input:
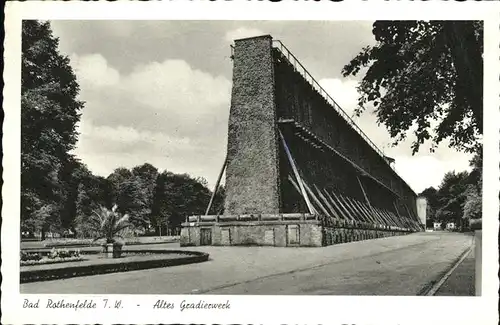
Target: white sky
[(159, 91)]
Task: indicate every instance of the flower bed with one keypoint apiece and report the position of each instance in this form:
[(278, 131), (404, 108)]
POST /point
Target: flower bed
[(54, 256), (161, 258), (52, 261)]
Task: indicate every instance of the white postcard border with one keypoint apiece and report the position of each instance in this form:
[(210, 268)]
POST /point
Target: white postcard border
[(255, 309)]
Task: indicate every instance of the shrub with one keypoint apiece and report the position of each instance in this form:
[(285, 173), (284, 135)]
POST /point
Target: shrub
[(109, 224), (25, 256), (63, 253)]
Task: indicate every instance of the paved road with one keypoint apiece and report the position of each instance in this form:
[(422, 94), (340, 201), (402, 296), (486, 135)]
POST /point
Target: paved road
[(389, 266)]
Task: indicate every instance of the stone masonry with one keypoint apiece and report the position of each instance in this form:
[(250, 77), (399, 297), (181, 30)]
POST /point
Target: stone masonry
[(252, 170)]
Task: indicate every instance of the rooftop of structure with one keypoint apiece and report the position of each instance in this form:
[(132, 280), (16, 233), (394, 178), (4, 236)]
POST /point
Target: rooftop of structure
[(253, 37)]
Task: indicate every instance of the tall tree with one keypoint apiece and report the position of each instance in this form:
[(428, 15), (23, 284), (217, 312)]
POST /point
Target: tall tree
[(146, 175), (71, 174), (453, 193), (160, 209), (424, 71), (129, 195), (93, 192), (178, 196), (49, 113), (116, 178)]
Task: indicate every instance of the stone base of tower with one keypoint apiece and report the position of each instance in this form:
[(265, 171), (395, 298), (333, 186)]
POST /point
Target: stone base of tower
[(281, 230)]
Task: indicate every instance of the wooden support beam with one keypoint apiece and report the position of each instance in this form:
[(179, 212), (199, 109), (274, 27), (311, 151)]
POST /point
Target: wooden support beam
[(358, 211), (317, 201), (216, 186), (398, 222), (409, 222), (339, 203), (346, 207), (387, 221), (368, 202), (339, 209), (410, 214), (390, 221), (296, 186), (296, 173), (359, 217), (396, 208), (363, 190), (369, 210), (325, 201), (333, 150), (400, 217), (367, 214), (286, 120), (401, 222)]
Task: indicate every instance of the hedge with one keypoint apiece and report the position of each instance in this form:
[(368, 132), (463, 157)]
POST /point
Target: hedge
[(96, 244), (75, 271)]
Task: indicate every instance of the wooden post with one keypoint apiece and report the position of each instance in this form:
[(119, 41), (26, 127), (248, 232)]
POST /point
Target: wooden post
[(316, 200), (348, 201), (340, 210), (387, 219), (412, 216), (408, 210), (296, 186), (216, 186), (397, 212), (404, 220), (368, 215), (368, 201), (353, 210), (343, 207), (328, 205), (296, 173), (396, 216), (399, 223), (363, 190)]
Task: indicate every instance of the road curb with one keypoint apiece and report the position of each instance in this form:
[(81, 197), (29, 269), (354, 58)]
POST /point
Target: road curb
[(431, 288)]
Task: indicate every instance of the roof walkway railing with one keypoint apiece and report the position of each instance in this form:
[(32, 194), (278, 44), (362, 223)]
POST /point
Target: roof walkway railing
[(310, 79)]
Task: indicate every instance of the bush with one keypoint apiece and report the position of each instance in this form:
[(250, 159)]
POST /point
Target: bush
[(63, 253), (476, 224), (25, 256)]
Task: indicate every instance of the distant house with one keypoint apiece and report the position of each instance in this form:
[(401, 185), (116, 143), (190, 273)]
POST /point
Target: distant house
[(437, 225), (450, 226)]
